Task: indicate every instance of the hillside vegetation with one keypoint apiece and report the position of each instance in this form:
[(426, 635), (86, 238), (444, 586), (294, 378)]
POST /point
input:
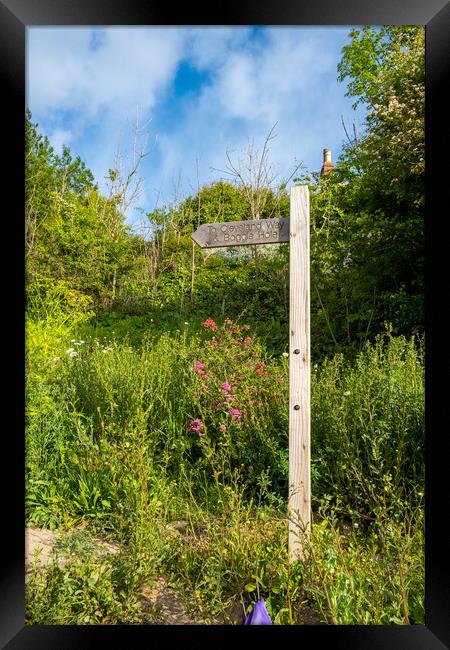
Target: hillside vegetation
[(157, 381)]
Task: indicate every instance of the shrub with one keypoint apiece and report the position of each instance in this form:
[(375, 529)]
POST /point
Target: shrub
[(368, 428), (238, 416)]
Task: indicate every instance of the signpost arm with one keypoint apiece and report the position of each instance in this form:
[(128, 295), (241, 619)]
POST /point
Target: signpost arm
[(299, 374)]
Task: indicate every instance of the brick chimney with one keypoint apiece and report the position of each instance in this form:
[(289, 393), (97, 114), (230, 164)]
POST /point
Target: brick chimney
[(327, 164)]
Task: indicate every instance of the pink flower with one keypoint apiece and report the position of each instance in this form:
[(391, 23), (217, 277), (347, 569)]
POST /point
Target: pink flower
[(209, 323), (198, 365), (213, 343), (197, 426), (225, 388), (222, 428), (235, 413), (246, 327)]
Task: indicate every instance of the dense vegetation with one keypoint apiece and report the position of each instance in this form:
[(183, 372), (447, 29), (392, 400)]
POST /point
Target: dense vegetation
[(157, 379)]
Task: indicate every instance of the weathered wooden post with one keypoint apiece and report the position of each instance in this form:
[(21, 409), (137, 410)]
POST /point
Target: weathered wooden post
[(299, 374), (296, 231)]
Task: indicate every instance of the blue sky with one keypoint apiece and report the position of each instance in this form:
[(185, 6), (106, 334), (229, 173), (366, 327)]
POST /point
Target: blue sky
[(188, 96)]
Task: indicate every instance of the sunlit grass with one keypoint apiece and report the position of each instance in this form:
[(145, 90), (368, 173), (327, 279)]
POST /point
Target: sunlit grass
[(110, 447)]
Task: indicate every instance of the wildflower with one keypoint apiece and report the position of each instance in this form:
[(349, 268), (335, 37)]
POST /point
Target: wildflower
[(186, 323), (205, 376), (246, 327), (225, 388), (213, 343), (235, 413), (247, 342), (228, 321), (198, 365), (347, 393), (222, 428), (197, 426), (259, 369), (71, 352), (209, 323), (258, 615), (285, 354)]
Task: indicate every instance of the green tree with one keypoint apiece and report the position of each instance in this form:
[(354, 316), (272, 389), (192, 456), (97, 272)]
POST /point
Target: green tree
[(368, 213), (73, 233), (224, 278)]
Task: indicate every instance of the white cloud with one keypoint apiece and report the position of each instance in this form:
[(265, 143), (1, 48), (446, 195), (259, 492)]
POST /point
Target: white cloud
[(289, 79), (209, 47), (129, 66), (85, 85), (58, 137)]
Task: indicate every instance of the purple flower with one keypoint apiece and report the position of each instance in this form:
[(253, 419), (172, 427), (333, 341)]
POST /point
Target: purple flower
[(258, 615)]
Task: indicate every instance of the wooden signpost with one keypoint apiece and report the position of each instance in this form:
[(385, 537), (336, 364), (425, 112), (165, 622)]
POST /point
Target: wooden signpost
[(242, 233), (294, 230)]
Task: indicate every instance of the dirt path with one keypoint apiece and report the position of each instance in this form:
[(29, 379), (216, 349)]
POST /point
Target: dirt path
[(40, 544)]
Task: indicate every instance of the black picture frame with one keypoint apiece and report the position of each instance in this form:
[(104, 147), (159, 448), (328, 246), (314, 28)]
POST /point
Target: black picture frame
[(15, 17)]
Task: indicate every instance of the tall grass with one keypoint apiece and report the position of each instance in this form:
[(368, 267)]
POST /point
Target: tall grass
[(128, 437), (368, 428)]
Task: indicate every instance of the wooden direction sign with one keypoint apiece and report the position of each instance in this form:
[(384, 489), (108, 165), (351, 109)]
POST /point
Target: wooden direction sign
[(294, 230), (242, 233)]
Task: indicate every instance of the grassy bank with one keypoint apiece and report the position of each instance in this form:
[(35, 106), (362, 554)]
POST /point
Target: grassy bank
[(128, 433)]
